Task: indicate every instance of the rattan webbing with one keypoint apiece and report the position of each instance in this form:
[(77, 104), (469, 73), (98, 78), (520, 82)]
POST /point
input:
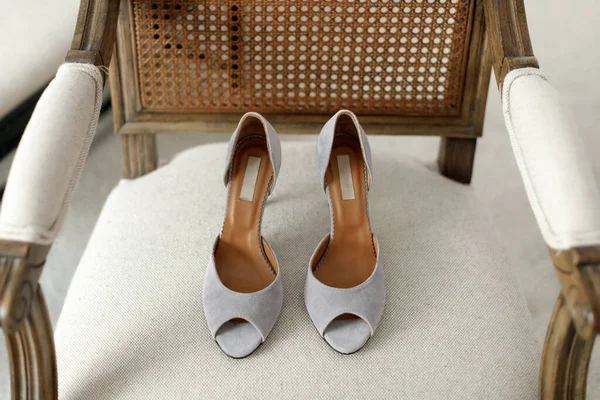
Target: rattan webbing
[(400, 57)]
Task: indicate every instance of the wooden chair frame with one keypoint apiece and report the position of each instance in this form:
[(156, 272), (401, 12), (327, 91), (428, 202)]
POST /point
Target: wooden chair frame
[(24, 315)]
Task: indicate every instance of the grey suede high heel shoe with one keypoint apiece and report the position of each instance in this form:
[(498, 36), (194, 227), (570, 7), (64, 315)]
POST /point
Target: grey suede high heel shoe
[(345, 291), (243, 293)]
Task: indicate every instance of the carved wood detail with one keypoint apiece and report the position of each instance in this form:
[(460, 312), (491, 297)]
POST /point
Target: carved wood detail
[(566, 358), (25, 322), (578, 271)]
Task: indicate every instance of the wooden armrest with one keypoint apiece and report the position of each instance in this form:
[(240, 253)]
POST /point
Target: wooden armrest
[(23, 312), (576, 318), (511, 49), (577, 267), (564, 197)]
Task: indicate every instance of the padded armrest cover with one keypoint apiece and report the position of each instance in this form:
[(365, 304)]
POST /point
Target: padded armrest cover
[(51, 154), (552, 160)]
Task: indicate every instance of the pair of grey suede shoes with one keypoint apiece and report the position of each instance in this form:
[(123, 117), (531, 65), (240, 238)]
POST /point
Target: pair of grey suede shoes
[(344, 292)]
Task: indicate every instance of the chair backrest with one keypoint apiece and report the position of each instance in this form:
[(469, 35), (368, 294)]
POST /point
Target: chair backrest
[(404, 66)]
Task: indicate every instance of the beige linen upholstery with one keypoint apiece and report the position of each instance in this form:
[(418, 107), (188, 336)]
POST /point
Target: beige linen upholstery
[(455, 325), (552, 160), (51, 154)]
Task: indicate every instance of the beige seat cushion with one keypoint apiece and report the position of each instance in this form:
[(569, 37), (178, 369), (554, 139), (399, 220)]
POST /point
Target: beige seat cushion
[(455, 325)]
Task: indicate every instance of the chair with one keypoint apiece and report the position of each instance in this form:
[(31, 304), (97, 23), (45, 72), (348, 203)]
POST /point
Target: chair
[(455, 325)]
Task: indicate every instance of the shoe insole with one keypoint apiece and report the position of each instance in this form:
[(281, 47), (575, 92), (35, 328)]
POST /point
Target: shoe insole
[(243, 259), (349, 259)]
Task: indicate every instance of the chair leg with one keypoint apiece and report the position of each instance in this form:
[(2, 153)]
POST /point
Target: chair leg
[(139, 154), (565, 359), (455, 158), (32, 355)]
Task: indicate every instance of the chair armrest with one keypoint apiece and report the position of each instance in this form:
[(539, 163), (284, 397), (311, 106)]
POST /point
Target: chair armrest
[(557, 175), (42, 179), (561, 188), (45, 171), (51, 154)]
